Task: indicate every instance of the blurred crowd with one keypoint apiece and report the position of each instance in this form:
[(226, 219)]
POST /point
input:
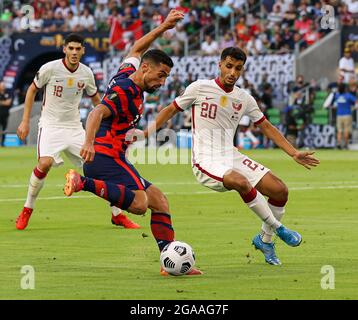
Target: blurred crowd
[(260, 26)]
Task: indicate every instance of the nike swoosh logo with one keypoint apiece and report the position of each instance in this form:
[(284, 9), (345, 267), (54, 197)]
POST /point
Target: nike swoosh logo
[(207, 98), (262, 169), (59, 80)]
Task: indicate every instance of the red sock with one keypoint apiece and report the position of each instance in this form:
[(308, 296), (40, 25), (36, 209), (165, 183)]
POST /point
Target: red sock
[(161, 226)]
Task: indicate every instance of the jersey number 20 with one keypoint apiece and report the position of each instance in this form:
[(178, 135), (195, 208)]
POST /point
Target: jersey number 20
[(208, 110)]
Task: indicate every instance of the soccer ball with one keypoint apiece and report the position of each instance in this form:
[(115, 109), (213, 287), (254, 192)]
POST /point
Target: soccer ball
[(177, 258)]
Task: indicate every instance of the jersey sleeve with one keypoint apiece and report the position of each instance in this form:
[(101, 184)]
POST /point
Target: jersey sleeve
[(253, 111), (43, 76), (128, 66), (188, 97), (91, 88)]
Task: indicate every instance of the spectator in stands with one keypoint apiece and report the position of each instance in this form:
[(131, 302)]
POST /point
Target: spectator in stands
[(17, 22), (58, 21), (298, 41), (192, 29), (209, 47), (302, 25), (345, 16), (346, 66), (48, 22), (291, 126), (87, 22), (179, 39), (206, 20), (312, 35), (255, 45), (290, 16), (267, 95), (227, 40), (278, 45), (5, 105), (101, 15), (164, 8), (62, 8), (72, 23), (157, 18), (276, 16), (344, 102), (165, 43)]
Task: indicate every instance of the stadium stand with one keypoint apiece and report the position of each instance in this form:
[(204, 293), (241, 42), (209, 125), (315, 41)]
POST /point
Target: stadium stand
[(260, 27)]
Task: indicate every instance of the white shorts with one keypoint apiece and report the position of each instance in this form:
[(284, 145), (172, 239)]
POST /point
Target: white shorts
[(211, 173), (52, 141)]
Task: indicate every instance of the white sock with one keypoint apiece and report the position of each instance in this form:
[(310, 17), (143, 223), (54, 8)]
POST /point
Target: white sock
[(260, 206), (116, 211), (251, 136), (267, 231), (35, 185)]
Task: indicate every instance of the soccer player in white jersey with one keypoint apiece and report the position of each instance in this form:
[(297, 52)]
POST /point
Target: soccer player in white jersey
[(60, 128), (217, 106)]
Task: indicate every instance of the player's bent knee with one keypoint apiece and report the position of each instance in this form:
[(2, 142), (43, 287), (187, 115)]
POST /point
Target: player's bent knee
[(45, 164), (139, 204), (236, 181), (138, 208)]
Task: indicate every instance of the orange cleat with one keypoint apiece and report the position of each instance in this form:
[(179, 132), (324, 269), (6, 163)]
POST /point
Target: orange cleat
[(124, 221), (193, 272), (73, 183), (23, 218)]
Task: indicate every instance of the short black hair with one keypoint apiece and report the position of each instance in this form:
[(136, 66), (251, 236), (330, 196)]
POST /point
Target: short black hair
[(74, 37), (235, 53), (157, 56)]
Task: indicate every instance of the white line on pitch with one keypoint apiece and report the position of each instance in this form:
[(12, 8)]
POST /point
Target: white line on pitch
[(182, 193), (310, 184)]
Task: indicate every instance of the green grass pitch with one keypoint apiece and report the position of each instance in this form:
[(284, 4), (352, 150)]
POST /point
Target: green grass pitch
[(77, 254)]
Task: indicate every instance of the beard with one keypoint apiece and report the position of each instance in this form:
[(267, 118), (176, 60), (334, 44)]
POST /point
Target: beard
[(150, 90)]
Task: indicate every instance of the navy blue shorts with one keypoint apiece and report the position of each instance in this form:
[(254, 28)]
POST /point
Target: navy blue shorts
[(118, 171)]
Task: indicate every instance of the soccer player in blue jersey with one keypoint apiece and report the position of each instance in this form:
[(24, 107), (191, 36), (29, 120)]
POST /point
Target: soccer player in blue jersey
[(108, 174)]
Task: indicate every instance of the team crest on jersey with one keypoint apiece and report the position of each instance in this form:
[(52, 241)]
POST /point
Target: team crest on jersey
[(80, 84), (223, 101), (70, 82), (237, 106)]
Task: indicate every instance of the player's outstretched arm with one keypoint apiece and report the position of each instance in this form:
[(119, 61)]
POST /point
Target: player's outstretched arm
[(92, 125), (163, 116), (143, 44), (304, 158), (24, 127)]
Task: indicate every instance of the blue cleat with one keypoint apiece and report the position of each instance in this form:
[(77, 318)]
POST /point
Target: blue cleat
[(291, 238), (268, 249)]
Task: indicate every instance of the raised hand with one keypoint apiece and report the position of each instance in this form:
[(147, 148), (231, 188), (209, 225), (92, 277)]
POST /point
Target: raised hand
[(173, 18)]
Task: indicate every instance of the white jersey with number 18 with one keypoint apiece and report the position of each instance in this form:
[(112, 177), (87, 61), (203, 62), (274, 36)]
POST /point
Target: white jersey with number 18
[(216, 113), (63, 90)]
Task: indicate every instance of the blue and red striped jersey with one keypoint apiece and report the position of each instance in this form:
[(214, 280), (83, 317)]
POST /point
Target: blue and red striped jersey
[(125, 101)]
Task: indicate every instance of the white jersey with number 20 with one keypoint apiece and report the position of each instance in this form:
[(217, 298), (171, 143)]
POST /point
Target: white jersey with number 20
[(216, 113)]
